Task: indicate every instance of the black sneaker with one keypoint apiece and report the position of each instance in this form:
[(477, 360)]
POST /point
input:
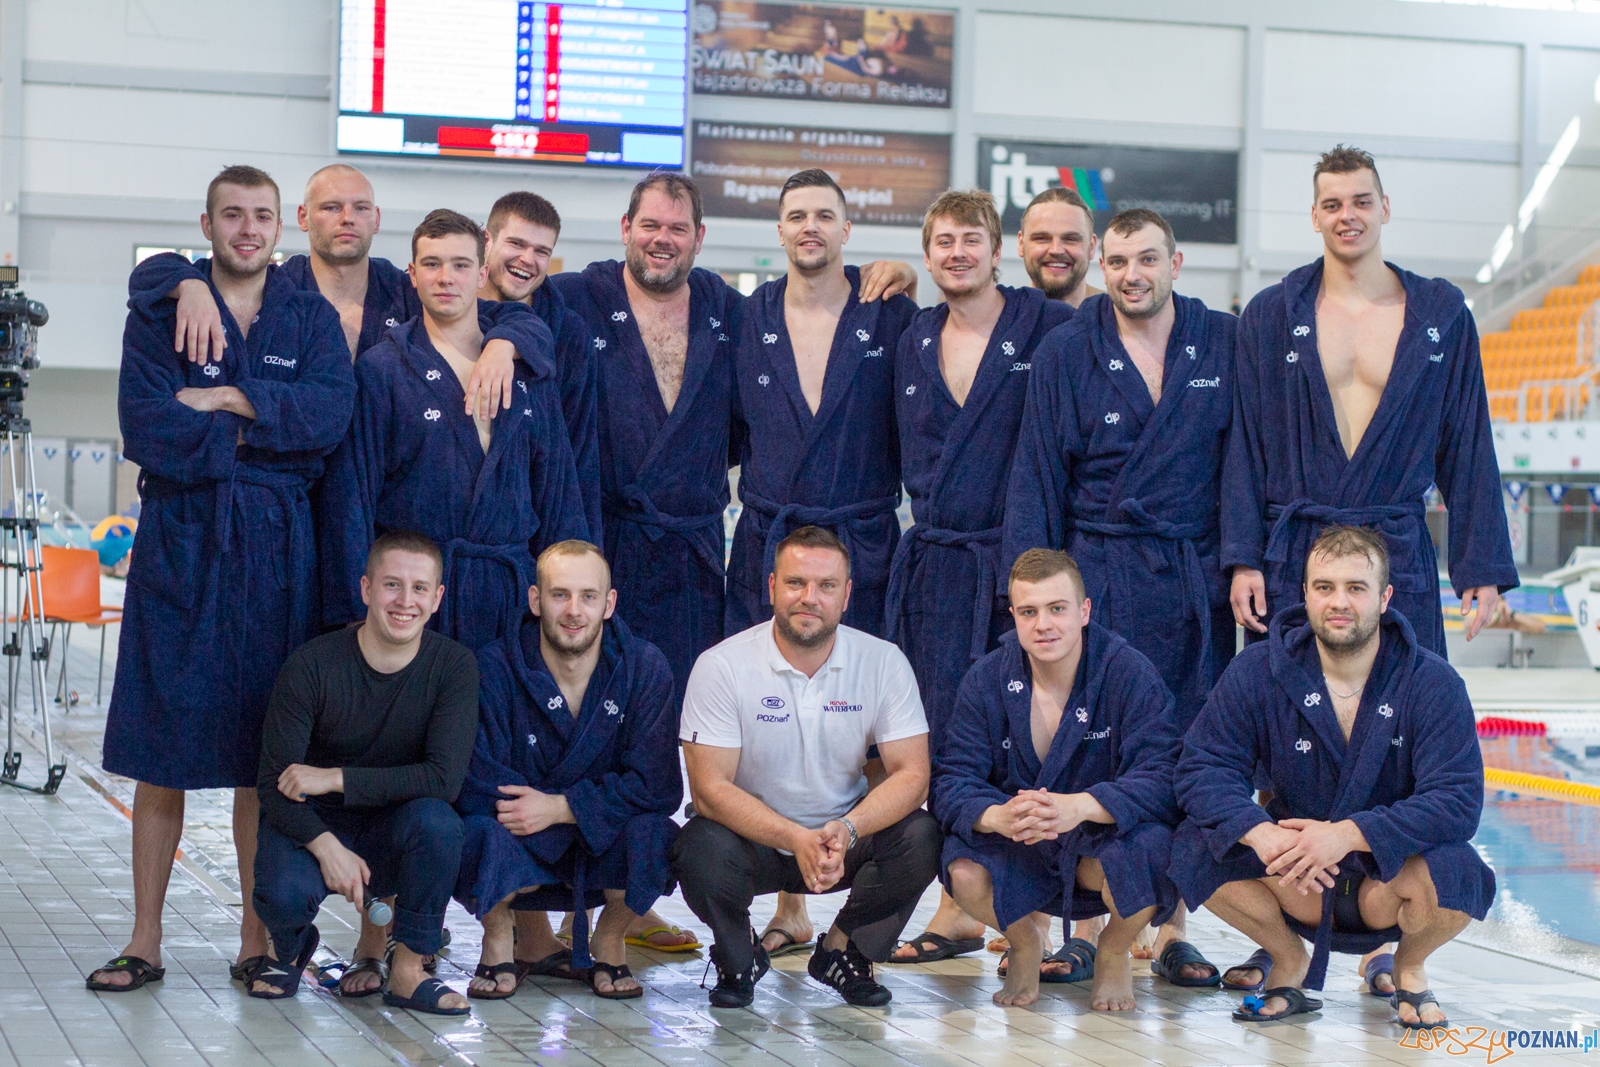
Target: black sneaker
[(734, 989), (850, 972)]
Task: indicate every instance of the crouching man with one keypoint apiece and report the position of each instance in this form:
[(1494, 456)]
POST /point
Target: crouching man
[(1053, 784), (1376, 781), (573, 781), (367, 738), (777, 721)]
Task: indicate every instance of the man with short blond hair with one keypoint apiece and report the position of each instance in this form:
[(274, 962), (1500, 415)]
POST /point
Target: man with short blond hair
[(1364, 741), (570, 794), (222, 584), (1056, 242), (961, 377), (776, 726), (1070, 815)]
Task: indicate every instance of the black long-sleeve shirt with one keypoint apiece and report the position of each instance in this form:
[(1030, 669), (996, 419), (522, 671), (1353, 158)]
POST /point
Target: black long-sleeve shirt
[(397, 736)]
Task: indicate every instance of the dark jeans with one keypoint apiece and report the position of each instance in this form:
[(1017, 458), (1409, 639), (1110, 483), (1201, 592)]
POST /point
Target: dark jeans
[(721, 873), (412, 849)]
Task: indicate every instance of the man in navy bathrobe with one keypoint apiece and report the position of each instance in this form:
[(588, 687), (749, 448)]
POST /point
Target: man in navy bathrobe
[(1359, 385), (1053, 785), (223, 581), (1367, 742), (573, 782)]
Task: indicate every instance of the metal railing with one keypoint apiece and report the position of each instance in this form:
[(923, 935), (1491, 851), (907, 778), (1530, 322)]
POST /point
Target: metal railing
[(1522, 283)]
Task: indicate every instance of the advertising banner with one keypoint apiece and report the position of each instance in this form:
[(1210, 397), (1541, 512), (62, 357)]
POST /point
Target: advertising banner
[(857, 55), (1196, 191), (888, 178)]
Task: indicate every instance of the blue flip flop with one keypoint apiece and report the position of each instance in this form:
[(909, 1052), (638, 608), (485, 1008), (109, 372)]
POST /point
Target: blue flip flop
[(1260, 960), (1179, 955), (1080, 954), (1382, 963), (425, 998)]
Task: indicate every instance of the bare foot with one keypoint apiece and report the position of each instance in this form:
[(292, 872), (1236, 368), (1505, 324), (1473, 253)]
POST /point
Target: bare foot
[(1247, 977), (1113, 982), (1385, 981), (1144, 946), (999, 945), (1022, 966)]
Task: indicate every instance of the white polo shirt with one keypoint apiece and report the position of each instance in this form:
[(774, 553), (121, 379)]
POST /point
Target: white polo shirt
[(802, 740)]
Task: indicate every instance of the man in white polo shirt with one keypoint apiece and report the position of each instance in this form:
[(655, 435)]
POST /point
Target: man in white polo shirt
[(776, 725)]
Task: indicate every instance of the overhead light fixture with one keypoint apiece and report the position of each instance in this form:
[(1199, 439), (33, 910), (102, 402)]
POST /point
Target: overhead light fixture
[(1530, 203)]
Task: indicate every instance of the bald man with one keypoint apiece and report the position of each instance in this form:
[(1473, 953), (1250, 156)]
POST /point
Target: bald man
[(339, 214)]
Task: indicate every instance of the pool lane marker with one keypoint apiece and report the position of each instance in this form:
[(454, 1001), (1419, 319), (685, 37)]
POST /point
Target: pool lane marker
[(1554, 788)]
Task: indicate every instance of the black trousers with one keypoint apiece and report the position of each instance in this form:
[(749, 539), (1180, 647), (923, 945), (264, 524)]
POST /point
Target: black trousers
[(886, 872)]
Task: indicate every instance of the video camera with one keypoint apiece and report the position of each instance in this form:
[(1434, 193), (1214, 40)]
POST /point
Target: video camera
[(20, 319)]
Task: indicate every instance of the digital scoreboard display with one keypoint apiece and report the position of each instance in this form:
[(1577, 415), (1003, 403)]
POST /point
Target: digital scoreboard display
[(587, 81)]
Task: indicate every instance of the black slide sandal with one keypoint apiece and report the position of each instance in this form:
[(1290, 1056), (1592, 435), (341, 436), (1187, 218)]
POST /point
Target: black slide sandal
[(286, 978), (241, 971), (143, 972), (1416, 1000), (616, 974), (1296, 1000), (791, 944), (1179, 955), (1260, 960), (492, 973), (556, 965), (425, 998), (943, 948), (365, 965), (1077, 953)]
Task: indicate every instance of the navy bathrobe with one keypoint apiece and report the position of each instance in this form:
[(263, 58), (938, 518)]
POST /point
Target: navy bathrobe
[(412, 461), (1131, 488), (839, 468), (1117, 741), (1411, 775), (1287, 475), (616, 762), (663, 476), (223, 582), (580, 388), (946, 604)]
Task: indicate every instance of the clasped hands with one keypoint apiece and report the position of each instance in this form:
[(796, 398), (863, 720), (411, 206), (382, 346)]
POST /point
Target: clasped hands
[(1305, 853), (1035, 815), (820, 854)]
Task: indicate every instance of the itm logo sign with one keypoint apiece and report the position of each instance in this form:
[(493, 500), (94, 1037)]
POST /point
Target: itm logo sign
[(1014, 182)]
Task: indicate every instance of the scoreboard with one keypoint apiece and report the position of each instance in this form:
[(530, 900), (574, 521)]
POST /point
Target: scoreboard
[(600, 82)]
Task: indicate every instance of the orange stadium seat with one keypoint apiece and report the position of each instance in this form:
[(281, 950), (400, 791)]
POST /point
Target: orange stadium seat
[(1541, 345)]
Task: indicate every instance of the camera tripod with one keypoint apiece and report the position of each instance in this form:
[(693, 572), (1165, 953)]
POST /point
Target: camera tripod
[(22, 632)]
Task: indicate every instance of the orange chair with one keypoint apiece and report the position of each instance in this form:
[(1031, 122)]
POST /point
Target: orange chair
[(70, 588)]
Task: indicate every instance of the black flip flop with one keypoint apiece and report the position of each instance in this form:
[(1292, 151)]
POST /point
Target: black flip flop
[(286, 977), (365, 965), (1416, 1000), (143, 971), (425, 998), (493, 973), (241, 971), (1179, 955), (1260, 960), (1297, 1004), (791, 944), (943, 948), (615, 974), (556, 965)]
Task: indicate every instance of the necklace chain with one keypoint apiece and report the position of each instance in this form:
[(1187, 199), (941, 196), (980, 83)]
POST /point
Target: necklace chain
[(1345, 696)]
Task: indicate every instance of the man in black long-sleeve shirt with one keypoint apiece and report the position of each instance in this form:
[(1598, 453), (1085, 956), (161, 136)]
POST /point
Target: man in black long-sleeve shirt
[(367, 739)]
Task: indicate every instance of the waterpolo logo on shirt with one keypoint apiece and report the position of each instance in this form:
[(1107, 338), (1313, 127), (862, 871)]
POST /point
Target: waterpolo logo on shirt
[(611, 707), (1115, 364), (1292, 357), (1301, 331), (212, 370), (432, 414), (863, 335), (1008, 348), (432, 376), (1313, 699), (842, 706), (1014, 686), (1302, 745), (619, 316), (554, 702), (769, 338), (279, 361), (772, 702), (1433, 334), (763, 381), (1113, 417), (1205, 383), (1386, 711), (599, 343)]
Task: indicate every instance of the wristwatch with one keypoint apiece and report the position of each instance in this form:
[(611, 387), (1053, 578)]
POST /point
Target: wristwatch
[(848, 825)]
